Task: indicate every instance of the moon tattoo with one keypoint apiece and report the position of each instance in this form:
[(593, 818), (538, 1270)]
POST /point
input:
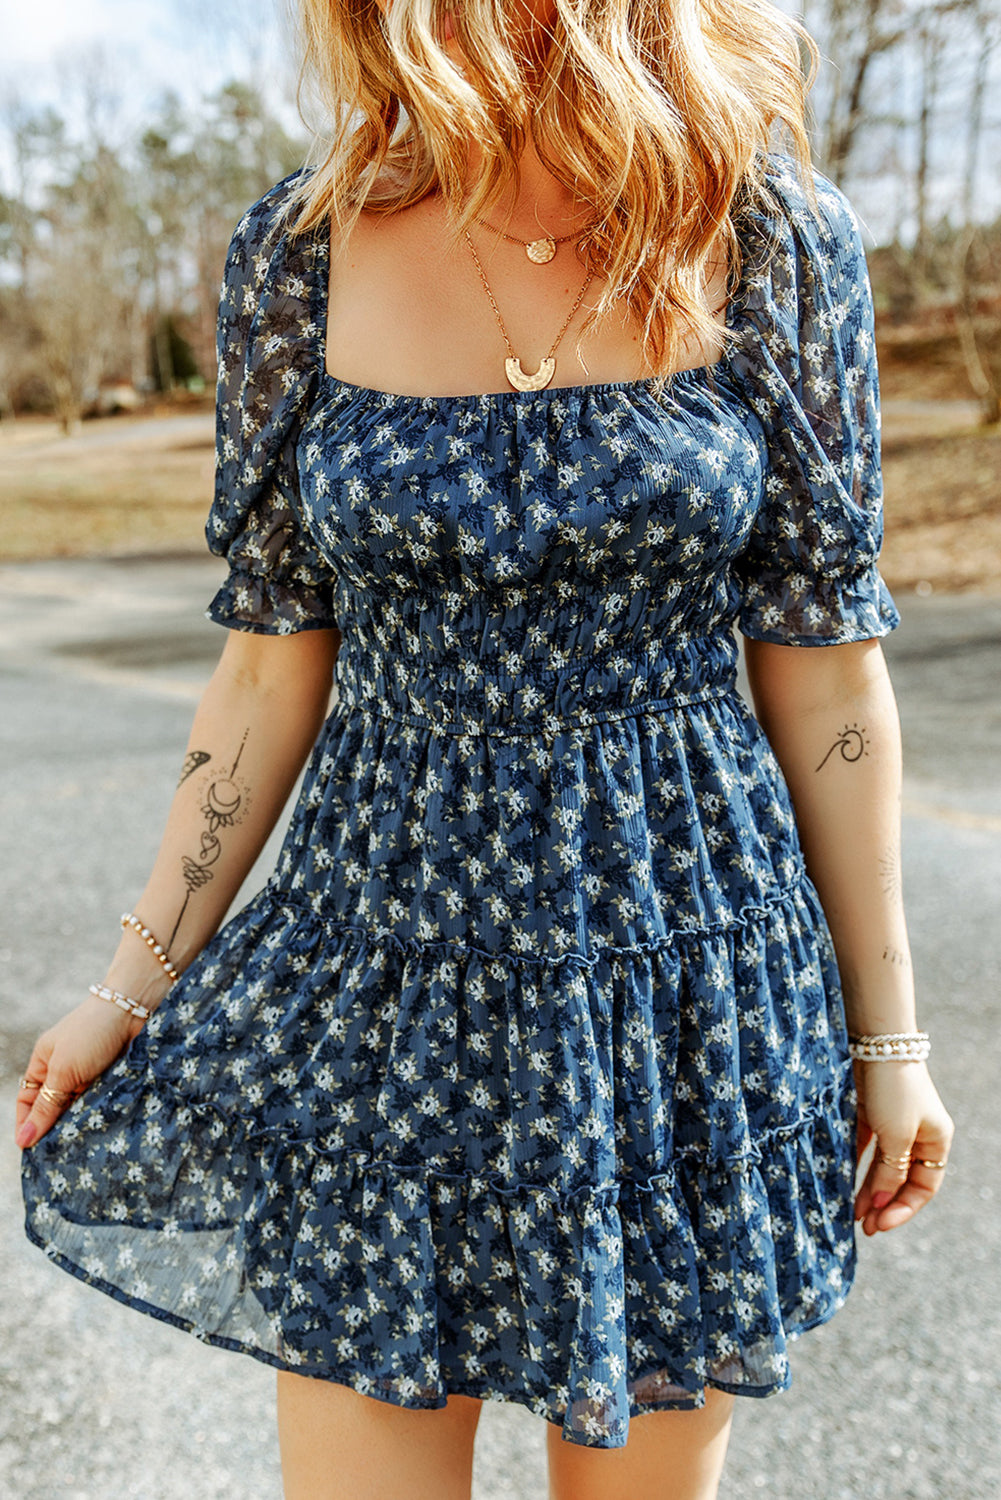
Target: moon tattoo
[(222, 804), (852, 744)]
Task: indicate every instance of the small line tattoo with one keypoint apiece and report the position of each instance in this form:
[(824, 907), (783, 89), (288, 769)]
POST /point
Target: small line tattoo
[(851, 743), (192, 762), (180, 918), (240, 751), (894, 956)]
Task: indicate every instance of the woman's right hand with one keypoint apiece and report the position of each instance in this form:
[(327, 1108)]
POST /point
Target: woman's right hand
[(68, 1057), (262, 709)]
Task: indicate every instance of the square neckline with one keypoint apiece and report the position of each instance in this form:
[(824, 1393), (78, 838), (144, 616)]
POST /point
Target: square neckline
[(638, 385)]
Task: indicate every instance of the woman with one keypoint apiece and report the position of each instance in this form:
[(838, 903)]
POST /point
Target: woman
[(528, 1075)]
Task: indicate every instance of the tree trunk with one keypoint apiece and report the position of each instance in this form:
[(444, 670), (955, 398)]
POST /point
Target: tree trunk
[(982, 377)]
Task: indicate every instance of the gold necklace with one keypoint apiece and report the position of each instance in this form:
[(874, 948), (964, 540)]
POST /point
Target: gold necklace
[(538, 251), (512, 365)]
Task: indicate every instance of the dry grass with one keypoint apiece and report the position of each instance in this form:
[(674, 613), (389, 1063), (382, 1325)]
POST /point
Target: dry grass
[(121, 485), (943, 507)]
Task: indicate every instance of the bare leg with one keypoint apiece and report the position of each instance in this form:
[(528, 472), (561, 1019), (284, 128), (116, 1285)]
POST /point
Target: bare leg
[(337, 1444), (669, 1455)]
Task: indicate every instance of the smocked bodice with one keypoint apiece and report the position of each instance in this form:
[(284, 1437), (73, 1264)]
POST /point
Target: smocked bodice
[(522, 562), (749, 489)]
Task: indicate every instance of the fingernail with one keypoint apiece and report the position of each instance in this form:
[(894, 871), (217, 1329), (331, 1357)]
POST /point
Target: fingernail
[(880, 1200), (26, 1134)]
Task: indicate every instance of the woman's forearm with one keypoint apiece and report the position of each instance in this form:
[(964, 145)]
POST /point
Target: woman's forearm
[(255, 725), (831, 718)]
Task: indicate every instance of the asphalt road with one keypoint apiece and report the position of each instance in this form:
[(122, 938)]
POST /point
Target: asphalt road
[(897, 1398)]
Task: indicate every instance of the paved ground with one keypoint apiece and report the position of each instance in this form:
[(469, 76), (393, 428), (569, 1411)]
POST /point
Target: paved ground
[(41, 439), (896, 1399)]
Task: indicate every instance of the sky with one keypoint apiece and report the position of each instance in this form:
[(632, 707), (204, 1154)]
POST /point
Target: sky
[(32, 32), (188, 45), (158, 33)]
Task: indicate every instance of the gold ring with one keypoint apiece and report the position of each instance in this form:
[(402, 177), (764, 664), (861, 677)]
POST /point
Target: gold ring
[(901, 1163), (54, 1094), (28, 1083), (923, 1163)]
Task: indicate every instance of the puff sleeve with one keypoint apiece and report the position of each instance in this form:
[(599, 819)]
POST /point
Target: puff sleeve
[(806, 357), (268, 344)]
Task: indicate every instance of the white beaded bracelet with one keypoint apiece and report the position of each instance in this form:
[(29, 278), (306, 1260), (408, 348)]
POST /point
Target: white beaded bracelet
[(891, 1046), (129, 919), (122, 1001)]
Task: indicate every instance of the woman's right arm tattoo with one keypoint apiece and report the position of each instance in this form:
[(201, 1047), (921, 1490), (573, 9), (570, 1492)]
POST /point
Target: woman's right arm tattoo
[(225, 801)]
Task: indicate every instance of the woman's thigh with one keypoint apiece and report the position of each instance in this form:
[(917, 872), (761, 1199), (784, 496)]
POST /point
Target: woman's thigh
[(337, 1444), (669, 1455)]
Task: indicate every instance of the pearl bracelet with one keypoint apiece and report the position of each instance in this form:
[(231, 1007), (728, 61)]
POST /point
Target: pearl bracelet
[(129, 919), (891, 1046), (122, 1001)]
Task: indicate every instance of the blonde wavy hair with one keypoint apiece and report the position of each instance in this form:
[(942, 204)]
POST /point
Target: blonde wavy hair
[(656, 113)]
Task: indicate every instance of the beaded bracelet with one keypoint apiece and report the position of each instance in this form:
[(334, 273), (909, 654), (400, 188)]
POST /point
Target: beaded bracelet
[(891, 1046), (129, 919), (122, 1001)]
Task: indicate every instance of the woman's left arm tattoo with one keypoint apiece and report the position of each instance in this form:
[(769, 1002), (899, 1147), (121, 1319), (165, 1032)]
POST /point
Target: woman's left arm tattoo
[(192, 761), (851, 744), (889, 865)]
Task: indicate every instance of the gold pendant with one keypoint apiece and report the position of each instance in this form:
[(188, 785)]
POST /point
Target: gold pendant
[(540, 251), (523, 382)]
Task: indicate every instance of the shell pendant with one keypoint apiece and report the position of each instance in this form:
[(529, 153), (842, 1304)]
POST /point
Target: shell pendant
[(540, 251), (523, 382)]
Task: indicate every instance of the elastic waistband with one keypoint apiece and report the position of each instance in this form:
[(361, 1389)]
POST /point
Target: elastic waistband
[(466, 696)]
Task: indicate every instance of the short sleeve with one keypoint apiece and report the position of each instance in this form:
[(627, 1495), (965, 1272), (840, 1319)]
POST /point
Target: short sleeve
[(268, 345), (808, 574)]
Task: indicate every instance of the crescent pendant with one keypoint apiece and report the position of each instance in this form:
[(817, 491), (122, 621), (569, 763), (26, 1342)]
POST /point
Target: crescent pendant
[(523, 382)]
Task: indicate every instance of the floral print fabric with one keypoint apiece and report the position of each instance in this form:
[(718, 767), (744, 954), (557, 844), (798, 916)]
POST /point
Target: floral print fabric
[(526, 1075)]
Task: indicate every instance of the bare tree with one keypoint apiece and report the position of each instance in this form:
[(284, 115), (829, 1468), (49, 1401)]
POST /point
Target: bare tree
[(852, 35), (109, 243), (986, 19), (977, 319), (931, 43), (76, 339)]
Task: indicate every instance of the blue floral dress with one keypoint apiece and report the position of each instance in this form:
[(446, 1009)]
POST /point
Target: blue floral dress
[(526, 1074)]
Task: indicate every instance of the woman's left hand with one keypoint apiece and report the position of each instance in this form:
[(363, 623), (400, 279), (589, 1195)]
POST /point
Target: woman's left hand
[(899, 1104)]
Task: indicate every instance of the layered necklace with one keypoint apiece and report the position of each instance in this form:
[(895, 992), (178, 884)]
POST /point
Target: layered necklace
[(539, 252)]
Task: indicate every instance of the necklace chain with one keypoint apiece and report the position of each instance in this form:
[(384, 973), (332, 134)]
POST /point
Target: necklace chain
[(516, 376), (518, 240), (541, 250)]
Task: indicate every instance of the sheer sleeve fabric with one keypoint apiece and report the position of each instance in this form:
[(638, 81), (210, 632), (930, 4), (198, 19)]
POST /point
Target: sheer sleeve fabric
[(808, 574), (268, 344)]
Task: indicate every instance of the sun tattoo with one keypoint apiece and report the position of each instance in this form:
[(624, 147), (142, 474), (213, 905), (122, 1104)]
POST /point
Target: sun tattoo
[(225, 802), (851, 743), (889, 866)]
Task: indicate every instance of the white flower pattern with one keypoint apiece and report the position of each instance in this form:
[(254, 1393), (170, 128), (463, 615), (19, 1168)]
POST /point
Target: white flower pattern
[(526, 1074)]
